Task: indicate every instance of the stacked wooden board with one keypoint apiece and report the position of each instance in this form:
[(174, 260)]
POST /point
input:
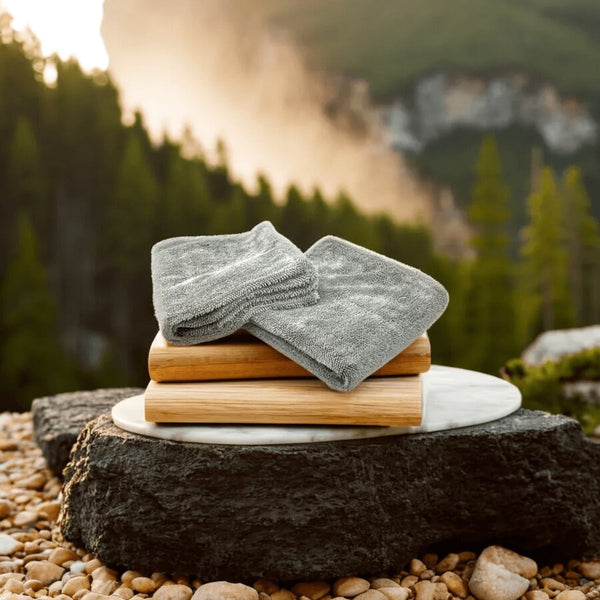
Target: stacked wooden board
[(240, 379)]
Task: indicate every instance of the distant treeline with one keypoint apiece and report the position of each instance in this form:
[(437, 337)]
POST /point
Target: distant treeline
[(83, 197)]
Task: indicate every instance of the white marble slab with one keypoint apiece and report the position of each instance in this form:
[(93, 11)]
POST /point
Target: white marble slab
[(452, 398)]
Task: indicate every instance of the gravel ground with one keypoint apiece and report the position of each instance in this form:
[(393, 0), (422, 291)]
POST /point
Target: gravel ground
[(35, 562)]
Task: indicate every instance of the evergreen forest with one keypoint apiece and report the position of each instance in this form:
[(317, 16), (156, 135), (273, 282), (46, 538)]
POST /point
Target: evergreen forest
[(84, 196)]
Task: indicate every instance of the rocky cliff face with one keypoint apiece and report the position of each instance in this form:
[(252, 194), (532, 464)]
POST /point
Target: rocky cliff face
[(443, 102)]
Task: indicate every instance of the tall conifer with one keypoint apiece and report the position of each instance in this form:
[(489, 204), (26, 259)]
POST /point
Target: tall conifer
[(489, 303)]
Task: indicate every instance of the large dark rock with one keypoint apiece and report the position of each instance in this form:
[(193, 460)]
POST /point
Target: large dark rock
[(58, 420), (530, 481)]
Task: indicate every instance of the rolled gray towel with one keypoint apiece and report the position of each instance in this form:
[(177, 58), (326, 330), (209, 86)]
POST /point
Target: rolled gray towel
[(370, 308), (207, 287)]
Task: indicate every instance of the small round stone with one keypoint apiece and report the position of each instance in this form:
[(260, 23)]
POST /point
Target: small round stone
[(455, 584), (33, 482), (383, 582), (223, 590), (590, 569), (427, 590), (143, 585), (173, 592), (25, 518), (395, 593), (537, 595), (409, 581), (8, 545), (48, 510), (13, 586), (75, 584), (123, 592), (350, 586), (371, 595), (552, 584), (283, 594), (448, 563), (571, 595), (60, 556), (44, 571), (312, 589), (77, 567), (416, 567)]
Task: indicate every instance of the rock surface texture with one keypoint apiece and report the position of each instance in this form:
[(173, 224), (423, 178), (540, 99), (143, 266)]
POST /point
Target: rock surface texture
[(57, 420), (530, 481)]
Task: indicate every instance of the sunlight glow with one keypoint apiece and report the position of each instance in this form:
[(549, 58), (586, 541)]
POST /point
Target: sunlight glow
[(65, 27)]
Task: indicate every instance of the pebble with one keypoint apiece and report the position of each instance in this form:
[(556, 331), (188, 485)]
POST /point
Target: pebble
[(92, 564), (143, 585), (536, 595), (92, 596), (8, 545), (104, 574), (283, 594), (395, 593), (448, 563), (350, 586), (24, 518), (75, 584), (383, 582), (552, 584), (173, 592), (49, 510), (77, 567), (409, 581), (60, 556), (127, 593), (312, 589), (5, 508), (501, 574), (455, 584), (590, 569), (371, 595), (223, 590), (33, 482), (427, 590), (44, 571), (571, 595), (104, 586), (416, 567)]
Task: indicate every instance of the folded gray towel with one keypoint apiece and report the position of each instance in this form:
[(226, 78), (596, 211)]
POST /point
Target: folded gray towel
[(207, 287), (370, 308)]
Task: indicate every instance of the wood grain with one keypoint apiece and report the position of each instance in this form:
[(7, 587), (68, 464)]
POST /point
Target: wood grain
[(243, 356), (380, 401)]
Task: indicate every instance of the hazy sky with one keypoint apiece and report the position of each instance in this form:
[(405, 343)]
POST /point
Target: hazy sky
[(66, 27), (206, 64)]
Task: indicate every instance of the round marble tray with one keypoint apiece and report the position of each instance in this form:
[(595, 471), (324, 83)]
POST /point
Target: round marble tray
[(451, 398)]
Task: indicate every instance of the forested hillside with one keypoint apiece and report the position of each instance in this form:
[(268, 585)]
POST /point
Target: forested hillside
[(392, 43), (83, 197)]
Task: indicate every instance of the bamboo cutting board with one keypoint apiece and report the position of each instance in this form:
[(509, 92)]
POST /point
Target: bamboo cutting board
[(382, 401), (242, 356)]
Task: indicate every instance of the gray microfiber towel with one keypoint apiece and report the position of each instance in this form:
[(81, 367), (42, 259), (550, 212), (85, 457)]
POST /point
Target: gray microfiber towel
[(207, 287), (370, 308)]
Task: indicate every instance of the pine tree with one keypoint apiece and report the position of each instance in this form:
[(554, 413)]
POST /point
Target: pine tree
[(132, 210), (583, 245), (24, 183), (185, 202), (32, 362), (545, 255), (490, 313)]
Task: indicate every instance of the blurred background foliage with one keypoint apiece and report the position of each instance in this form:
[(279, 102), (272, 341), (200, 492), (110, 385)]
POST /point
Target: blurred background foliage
[(84, 196)]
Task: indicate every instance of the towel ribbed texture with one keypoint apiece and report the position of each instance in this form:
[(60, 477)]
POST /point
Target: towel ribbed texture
[(207, 287), (370, 308)]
